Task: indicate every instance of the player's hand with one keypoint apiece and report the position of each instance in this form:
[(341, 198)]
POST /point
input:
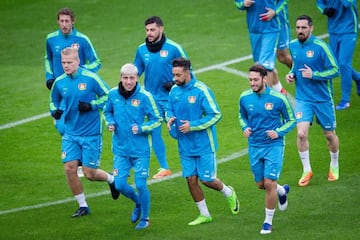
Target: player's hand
[(57, 114), (170, 122), (185, 126), (272, 134), (247, 132), (84, 107), (306, 72), (329, 12), (111, 128), (248, 3), (270, 13), (49, 83), (290, 78)]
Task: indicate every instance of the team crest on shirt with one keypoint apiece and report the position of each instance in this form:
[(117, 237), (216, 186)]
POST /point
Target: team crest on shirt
[(135, 102), (63, 155), (309, 54), (298, 115), (269, 106), (75, 45), (191, 99), (164, 53), (82, 86)]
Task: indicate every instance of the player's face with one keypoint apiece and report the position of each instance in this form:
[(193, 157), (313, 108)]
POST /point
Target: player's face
[(70, 63), (153, 32), (181, 76), (257, 82), (303, 30), (65, 24), (129, 81)]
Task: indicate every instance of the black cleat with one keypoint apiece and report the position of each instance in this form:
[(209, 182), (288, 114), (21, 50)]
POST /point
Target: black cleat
[(82, 211), (114, 193)]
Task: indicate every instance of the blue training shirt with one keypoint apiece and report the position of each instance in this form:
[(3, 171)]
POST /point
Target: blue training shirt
[(157, 67), (269, 110), (57, 41), (196, 103), (84, 86), (316, 54), (140, 109), (345, 18)]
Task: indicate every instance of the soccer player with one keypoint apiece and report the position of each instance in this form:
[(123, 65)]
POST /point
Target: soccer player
[(313, 70), (263, 26), (131, 114), (67, 36), (84, 94), (153, 58), (282, 51), (192, 115), (343, 29), (265, 117)]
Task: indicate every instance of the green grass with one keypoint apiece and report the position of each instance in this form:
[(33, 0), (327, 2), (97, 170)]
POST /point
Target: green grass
[(212, 32)]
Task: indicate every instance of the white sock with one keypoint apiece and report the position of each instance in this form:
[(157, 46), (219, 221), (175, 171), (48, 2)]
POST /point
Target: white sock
[(269, 214), (110, 178), (203, 208), (334, 159), (80, 198), (226, 191), (305, 160), (280, 190), (277, 87)]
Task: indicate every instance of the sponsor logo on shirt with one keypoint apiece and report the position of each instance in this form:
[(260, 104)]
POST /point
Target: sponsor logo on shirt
[(135, 102), (192, 99), (309, 54), (269, 106), (82, 86), (75, 45), (164, 53)]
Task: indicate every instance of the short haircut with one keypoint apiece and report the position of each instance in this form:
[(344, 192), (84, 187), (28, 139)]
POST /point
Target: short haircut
[(258, 68), (129, 68), (70, 50), (154, 19), (66, 11), (305, 17), (182, 62)]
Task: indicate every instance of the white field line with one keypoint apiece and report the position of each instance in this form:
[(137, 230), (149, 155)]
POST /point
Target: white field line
[(150, 182)]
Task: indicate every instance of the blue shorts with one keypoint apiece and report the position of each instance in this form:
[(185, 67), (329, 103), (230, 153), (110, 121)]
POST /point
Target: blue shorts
[(266, 162), (204, 167), (324, 112), (122, 166), (86, 149), (284, 36), (263, 47)]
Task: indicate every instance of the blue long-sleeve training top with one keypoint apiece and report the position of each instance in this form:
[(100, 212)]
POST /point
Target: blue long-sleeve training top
[(269, 110), (139, 109), (195, 103), (84, 86)]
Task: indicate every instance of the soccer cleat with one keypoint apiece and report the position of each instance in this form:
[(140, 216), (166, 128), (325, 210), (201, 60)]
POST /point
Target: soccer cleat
[(82, 211), (283, 203), (200, 220), (114, 192), (135, 215), (266, 229), (233, 202), (162, 172), (342, 105), (333, 174), (305, 179), (283, 91), (144, 223)]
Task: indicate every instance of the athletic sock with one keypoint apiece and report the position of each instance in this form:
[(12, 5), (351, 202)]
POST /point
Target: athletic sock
[(80, 198), (334, 159), (305, 160)]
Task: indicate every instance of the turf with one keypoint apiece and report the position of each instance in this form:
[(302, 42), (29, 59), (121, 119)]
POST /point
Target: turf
[(35, 200)]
